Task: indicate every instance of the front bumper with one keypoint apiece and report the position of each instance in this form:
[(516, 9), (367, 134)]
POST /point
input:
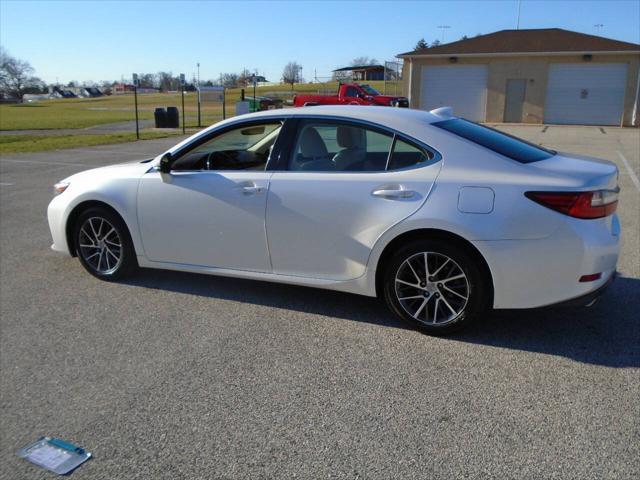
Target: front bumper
[(56, 216)]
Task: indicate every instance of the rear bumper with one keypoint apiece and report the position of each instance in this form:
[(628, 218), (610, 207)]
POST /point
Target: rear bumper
[(546, 272), (588, 299)]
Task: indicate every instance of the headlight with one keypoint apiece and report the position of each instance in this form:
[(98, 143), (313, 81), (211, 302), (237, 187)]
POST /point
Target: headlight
[(60, 187)]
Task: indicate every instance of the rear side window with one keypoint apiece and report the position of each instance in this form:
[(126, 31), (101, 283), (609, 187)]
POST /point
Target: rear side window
[(351, 92), (406, 155), (329, 147), (502, 143)]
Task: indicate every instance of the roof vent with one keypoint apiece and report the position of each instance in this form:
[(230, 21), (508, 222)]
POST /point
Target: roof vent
[(445, 112)]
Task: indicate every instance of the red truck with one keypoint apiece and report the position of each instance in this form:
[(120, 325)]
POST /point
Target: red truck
[(351, 94)]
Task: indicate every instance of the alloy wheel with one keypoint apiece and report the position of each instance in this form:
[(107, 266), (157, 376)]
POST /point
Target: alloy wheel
[(100, 245), (432, 288)]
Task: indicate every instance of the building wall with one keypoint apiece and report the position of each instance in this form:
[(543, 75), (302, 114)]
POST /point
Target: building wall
[(533, 68)]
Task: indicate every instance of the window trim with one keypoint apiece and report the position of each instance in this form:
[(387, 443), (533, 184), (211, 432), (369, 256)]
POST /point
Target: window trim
[(227, 128), (282, 164)]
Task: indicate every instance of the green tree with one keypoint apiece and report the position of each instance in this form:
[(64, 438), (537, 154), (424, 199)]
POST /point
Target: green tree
[(422, 44)]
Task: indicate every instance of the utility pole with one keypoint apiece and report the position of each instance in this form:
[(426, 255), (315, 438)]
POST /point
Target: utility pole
[(136, 81), (198, 81), (255, 101), (518, 22), (183, 82), (598, 27)]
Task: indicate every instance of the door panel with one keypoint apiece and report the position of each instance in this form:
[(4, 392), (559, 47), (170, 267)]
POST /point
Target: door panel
[(516, 89), (206, 218), (324, 225)]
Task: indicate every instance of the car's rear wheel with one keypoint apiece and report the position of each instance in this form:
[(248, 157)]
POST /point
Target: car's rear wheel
[(436, 286), (103, 244)]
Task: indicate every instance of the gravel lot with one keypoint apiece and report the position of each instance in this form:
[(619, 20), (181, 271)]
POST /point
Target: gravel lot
[(184, 376)]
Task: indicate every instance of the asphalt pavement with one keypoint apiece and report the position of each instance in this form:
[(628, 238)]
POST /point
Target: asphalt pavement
[(171, 375)]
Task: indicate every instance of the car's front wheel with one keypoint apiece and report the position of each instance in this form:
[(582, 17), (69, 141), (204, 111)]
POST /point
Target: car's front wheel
[(103, 244), (436, 286)]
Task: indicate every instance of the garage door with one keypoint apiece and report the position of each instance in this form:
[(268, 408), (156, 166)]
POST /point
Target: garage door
[(585, 94), (463, 87)]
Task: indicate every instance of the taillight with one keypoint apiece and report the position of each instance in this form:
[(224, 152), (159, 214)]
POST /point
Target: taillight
[(594, 204)]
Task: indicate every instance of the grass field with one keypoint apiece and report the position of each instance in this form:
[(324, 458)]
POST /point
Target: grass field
[(39, 143), (85, 113), (88, 112)]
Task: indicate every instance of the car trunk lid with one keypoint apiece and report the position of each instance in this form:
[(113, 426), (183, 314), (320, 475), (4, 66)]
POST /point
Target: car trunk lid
[(582, 172)]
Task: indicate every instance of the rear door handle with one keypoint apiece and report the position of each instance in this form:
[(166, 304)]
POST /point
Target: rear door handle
[(393, 193)]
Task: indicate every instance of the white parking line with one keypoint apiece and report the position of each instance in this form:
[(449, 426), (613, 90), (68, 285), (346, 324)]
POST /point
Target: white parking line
[(632, 174), (47, 163)]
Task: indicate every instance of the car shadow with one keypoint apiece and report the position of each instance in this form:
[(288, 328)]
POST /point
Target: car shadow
[(606, 334)]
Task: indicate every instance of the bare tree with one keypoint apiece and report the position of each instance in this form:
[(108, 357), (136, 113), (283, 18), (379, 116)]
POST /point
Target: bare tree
[(16, 76), (359, 61), (292, 73), (229, 80), (147, 80), (244, 78), (167, 82)]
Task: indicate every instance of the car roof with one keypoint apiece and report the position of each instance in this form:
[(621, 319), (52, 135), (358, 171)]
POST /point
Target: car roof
[(408, 121), (389, 116)]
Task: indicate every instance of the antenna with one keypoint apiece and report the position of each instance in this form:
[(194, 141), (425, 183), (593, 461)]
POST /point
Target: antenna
[(443, 28), (519, 6)]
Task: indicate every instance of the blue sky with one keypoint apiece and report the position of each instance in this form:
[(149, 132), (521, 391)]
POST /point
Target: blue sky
[(109, 40)]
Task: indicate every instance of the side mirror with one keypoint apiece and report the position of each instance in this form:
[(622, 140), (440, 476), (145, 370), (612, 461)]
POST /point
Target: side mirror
[(165, 163)]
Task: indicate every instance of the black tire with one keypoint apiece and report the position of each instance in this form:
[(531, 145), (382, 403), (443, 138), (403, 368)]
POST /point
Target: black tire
[(399, 296), (114, 231)]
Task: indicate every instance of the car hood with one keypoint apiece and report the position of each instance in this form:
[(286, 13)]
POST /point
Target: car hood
[(133, 169)]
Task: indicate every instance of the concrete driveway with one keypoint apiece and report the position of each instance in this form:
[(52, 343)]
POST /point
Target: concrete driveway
[(172, 375)]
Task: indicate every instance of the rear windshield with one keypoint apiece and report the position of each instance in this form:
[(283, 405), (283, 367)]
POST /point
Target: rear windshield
[(502, 143)]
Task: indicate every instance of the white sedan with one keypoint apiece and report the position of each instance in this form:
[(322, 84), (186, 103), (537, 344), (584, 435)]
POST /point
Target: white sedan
[(441, 217)]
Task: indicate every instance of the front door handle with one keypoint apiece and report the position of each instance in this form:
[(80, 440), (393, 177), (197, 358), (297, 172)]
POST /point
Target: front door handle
[(250, 188), (393, 193)]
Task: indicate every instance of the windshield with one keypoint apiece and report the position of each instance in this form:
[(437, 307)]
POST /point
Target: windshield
[(502, 143), (369, 89)]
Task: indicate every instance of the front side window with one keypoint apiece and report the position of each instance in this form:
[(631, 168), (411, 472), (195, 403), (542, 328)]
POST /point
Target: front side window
[(328, 147), (507, 145), (245, 147)]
